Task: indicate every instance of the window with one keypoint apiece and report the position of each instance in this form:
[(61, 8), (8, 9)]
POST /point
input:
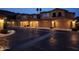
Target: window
[(34, 16), (54, 14), (24, 17), (45, 15), (59, 14)]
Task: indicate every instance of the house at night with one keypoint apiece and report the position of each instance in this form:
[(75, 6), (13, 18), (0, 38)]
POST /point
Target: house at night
[(57, 18), (77, 22), (2, 17)]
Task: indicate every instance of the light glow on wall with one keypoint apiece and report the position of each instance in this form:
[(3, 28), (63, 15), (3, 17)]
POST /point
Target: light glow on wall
[(73, 24), (69, 22), (1, 24), (34, 24), (13, 23), (57, 24), (30, 23), (24, 23), (53, 23)]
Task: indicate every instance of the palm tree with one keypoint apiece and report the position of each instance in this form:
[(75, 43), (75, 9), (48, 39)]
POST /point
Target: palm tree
[(38, 12)]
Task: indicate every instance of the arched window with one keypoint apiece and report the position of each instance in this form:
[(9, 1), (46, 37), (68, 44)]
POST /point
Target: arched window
[(54, 14), (59, 14)]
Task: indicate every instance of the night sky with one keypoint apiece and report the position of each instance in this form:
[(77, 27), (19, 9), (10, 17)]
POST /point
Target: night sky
[(33, 10)]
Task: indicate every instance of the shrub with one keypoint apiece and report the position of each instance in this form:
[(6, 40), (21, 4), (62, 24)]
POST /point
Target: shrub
[(74, 29), (4, 31)]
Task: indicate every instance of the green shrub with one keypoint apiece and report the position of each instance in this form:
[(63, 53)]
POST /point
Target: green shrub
[(74, 29), (4, 31)]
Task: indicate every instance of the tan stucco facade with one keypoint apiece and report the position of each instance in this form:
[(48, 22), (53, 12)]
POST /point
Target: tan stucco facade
[(57, 18), (65, 24), (45, 23)]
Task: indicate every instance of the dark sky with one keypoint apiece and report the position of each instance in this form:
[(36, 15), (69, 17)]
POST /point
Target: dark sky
[(33, 10)]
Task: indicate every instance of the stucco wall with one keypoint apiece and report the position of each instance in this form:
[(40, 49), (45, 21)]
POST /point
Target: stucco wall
[(65, 24), (45, 24)]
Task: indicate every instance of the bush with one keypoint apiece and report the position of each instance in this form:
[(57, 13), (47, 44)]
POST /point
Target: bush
[(4, 31), (74, 29)]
